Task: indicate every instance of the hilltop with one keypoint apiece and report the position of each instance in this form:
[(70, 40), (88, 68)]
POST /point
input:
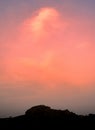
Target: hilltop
[(44, 117)]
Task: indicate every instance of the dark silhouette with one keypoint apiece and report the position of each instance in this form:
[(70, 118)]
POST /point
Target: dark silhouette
[(43, 117)]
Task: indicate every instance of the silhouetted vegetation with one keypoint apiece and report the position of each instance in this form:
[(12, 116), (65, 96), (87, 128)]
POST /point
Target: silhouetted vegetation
[(43, 117)]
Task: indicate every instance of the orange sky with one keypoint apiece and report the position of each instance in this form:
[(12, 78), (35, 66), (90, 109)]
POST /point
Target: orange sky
[(48, 53), (51, 49)]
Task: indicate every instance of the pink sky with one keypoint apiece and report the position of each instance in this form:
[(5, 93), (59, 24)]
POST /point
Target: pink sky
[(49, 48), (50, 55)]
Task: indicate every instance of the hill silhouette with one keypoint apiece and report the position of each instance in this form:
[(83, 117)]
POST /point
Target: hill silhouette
[(44, 117)]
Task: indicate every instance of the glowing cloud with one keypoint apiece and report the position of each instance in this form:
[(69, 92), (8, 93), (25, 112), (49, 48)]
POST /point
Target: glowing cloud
[(41, 24)]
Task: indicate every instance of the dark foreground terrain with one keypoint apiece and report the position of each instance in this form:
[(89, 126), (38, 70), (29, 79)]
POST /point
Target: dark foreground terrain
[(43, 117)]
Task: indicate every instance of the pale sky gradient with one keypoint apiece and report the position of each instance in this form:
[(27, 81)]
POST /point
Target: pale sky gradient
[(47, 55)]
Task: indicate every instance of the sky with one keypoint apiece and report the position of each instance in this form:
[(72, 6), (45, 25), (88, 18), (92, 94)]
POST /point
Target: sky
[(47, 55)]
